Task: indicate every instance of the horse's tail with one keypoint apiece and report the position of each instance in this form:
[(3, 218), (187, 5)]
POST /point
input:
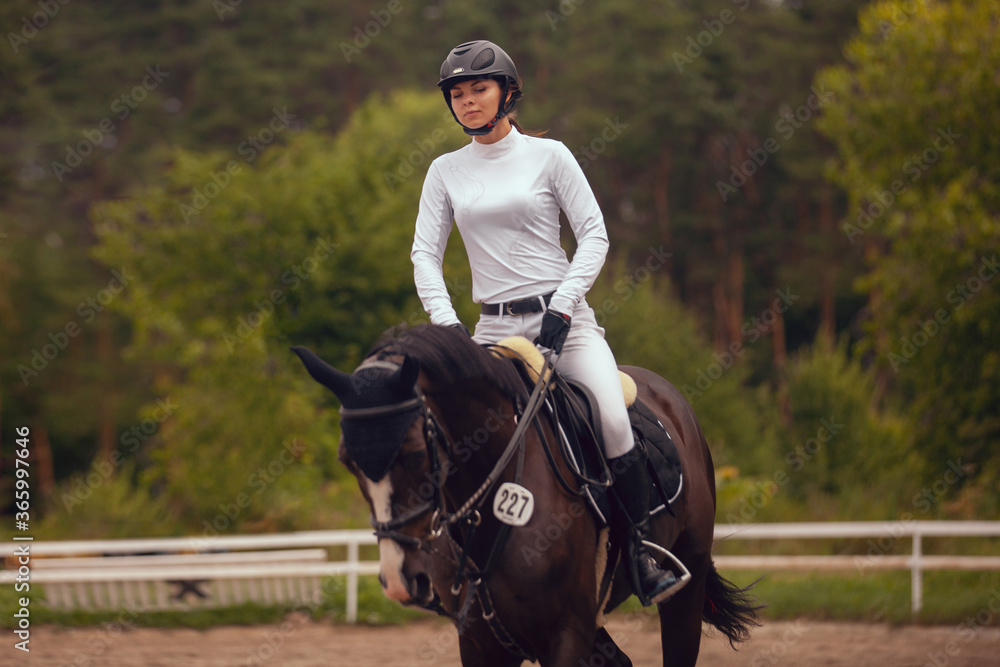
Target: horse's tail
[(730, 608)]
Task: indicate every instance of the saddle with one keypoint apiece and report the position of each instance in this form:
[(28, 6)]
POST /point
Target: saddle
[(576, 415)]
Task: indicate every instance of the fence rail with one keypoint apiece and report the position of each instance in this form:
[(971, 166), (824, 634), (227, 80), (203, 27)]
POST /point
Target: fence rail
[(917, 561), (220, 558), (225, 569)]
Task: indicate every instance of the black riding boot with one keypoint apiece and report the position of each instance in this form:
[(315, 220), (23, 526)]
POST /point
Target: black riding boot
[(630, 485)]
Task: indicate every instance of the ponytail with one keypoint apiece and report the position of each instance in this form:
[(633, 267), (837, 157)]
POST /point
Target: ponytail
[(515, 87), (530, 133)]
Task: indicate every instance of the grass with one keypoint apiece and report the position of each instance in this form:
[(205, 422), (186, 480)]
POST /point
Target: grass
[(373, 609), (950, 598)]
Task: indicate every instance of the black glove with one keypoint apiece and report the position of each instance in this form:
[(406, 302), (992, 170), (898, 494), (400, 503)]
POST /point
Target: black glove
[(555, 328), (461, 327)]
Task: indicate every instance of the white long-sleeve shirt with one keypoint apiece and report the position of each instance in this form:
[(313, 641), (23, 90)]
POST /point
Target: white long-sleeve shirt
[(505, 198)]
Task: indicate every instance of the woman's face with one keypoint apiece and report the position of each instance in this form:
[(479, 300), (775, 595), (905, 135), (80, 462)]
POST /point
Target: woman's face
[(475, 102)]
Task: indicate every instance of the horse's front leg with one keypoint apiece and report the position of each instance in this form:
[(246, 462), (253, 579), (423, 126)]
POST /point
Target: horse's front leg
[(606, 652), (484, 652), (570, 647)]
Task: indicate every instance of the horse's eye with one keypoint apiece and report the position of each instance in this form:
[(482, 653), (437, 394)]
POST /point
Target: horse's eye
[(413, 461)]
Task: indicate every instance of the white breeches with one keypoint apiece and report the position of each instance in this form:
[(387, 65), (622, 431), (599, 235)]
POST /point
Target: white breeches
[(586, 358)]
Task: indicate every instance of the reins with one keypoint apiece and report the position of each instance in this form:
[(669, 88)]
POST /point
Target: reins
[(531, 408), (477, 579), (469, 511)]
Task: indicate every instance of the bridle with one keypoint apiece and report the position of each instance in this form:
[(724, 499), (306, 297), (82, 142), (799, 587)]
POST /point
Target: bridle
[(432, 433), (469, 511), (468, 514)]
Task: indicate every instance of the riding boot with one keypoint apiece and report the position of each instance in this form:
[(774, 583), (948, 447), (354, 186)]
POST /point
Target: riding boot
[(649, 581)]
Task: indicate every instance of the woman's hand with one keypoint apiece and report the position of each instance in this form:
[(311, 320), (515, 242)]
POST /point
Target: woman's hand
[(555, 328)]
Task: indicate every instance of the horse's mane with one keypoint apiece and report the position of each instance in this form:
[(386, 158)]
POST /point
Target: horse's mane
[(447, 356)]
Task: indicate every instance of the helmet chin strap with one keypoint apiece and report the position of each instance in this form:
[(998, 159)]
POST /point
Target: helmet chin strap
[(488, 127), (485, 129)]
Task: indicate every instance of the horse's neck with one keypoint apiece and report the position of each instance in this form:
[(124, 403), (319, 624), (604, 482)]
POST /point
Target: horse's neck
[(480, 424)]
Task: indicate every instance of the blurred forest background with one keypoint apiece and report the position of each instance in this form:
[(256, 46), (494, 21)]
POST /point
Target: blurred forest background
[(803, 199)]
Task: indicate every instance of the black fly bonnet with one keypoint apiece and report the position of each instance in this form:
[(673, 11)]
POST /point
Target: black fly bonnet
[(376, 417), (380, 402)]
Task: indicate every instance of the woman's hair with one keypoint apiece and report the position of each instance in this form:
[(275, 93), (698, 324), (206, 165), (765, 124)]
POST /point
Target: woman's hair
[(515, 87)]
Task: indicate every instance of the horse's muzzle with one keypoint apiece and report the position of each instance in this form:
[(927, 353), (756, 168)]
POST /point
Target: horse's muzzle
[(417, 589), (421, 591)]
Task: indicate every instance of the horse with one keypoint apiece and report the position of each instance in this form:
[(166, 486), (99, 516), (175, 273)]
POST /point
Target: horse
[(433, 426)]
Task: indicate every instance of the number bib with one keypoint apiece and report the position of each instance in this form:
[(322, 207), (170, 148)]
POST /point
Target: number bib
[(513, 504)]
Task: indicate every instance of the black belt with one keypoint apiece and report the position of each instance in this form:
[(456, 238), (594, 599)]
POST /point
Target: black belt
[(517, 306)]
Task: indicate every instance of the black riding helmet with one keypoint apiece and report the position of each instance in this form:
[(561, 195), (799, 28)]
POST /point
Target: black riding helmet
[(480, 59)]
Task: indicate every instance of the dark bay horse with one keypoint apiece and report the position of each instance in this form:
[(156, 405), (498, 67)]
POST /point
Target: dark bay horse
[(427, 422)]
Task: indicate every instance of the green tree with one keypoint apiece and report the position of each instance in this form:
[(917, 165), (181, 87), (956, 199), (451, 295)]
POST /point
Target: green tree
[(655, 133), (308, 245), (915, 127), (839, 444), (94, 97)]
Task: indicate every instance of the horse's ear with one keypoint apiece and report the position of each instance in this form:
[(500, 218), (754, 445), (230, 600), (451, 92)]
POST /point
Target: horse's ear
[(405, 378), (336, 381)]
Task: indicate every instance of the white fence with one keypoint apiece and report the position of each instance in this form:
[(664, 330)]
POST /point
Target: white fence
[(288, 567), (191, 572), (883, 536)]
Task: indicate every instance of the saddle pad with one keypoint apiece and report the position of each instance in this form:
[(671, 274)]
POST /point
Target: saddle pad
[(664, 463)]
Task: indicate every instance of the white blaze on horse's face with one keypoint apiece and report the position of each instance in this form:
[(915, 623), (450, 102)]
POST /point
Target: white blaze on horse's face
[(390, 553)]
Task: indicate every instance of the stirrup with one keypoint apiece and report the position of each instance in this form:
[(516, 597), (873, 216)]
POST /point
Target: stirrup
[(668, 592)]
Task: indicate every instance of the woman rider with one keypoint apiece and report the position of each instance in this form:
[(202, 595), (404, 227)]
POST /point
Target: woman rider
[(504, 190)]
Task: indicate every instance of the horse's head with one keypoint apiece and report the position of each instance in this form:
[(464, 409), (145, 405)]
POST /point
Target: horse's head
[(385, 425)]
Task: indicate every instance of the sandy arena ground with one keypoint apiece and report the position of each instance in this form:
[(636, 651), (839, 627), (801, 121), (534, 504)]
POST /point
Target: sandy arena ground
[(299, 642)]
